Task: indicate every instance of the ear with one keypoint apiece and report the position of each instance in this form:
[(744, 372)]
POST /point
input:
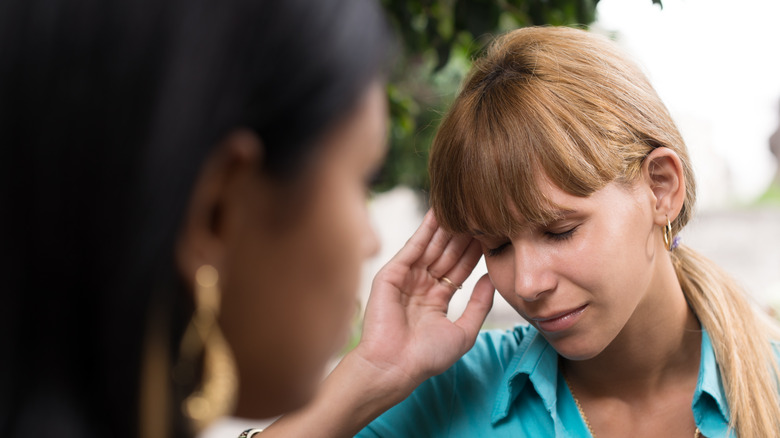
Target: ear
[(227, 175), (662, 169)]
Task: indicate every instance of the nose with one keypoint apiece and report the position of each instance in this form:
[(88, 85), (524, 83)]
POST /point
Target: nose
[(533, 274)]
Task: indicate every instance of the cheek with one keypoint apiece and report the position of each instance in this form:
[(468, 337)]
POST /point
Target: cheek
[(335, 247), (611, 261), (589, 261), (291, 297), (502, 274)]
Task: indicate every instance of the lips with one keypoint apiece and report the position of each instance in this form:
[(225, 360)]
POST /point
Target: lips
[(559, 321)]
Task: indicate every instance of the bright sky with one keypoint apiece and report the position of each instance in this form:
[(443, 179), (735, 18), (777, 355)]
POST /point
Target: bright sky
[(716, 65)]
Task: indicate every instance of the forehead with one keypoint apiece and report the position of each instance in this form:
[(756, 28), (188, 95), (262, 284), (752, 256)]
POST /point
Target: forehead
[(362, 132)]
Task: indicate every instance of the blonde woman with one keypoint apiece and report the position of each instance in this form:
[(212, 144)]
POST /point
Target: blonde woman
[(561, 160), (561, 165)]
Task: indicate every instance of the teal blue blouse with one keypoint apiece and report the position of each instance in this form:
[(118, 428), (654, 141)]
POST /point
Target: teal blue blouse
[(509, 385)]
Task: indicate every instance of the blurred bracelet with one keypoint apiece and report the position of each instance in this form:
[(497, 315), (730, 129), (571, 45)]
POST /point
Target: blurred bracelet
[(249, 433)]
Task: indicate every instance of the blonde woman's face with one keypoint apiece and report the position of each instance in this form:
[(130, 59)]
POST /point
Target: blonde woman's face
[(585, 278)]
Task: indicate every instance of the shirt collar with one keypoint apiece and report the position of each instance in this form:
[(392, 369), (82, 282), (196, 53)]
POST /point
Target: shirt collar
[(537, 361), (709, 387)]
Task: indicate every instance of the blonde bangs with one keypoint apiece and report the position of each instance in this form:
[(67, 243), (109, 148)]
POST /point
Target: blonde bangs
[(476, 178), (552, 104), (500, 140)]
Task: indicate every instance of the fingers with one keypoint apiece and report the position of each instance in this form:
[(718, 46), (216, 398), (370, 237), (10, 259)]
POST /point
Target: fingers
[(414, 248), (477, 308), (458, 269), (441, 243), (432, 248), (441, 259), (449, 256), (441, 254)]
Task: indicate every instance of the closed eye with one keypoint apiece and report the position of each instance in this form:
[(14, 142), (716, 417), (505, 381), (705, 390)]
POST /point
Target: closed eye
[(564, 235), (492, 252)]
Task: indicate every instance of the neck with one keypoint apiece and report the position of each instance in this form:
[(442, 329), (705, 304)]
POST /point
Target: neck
[(660, 345)]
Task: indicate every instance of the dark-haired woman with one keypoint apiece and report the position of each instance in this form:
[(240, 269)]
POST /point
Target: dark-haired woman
[(184, 220)]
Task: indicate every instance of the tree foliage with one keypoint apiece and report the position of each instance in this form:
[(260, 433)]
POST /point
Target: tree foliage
[(438, 40)]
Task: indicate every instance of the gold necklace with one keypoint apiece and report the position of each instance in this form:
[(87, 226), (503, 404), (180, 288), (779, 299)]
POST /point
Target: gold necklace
[(696, 433)]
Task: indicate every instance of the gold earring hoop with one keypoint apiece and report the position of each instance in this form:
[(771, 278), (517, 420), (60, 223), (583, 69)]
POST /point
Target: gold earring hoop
[(670, 240), (216, 394)]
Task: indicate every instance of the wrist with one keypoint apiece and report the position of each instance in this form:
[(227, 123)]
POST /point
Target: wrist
[(354, 394), (373, 385)]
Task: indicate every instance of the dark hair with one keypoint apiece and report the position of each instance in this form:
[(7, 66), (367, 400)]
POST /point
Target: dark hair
[(108, 109)]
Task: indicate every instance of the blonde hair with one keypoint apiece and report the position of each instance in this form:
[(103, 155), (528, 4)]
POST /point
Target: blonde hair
[(570, 105)]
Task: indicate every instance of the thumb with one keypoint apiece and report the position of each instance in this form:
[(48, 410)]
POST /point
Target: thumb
[(477, 308)]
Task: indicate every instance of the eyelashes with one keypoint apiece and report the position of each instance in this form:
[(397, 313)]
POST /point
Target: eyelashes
[(552, 236), (492, 252), (565, 235)]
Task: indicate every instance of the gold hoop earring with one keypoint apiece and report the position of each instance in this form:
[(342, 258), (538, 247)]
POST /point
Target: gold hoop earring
[(670, 240), (216, 394)]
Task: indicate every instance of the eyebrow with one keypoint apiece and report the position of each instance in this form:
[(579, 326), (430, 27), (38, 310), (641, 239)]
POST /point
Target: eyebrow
[(561, 213)]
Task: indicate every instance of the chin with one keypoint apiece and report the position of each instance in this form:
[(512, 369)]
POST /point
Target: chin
[(576, 356), (571, 349), (293, 402), (274, 405), (301, 392), (277, 397)]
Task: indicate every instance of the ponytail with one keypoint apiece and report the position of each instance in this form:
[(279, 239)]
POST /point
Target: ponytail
[(741, 339)]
